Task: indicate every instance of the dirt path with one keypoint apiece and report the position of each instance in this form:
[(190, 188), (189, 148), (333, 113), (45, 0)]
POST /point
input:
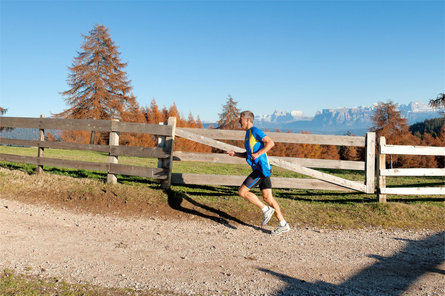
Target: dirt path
[(202, 256)]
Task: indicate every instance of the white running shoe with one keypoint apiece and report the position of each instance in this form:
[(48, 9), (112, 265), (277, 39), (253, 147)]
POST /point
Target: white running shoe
[(267, 215), (281, 229)]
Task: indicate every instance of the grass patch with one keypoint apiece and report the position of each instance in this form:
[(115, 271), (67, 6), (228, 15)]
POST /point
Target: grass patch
[(12, 283)]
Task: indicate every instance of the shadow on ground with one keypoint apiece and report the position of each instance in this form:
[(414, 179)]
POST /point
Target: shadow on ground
[(390, 276), (176, 200)]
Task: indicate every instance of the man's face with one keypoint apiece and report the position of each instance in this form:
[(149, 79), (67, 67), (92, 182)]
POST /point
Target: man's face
[(243, 122)]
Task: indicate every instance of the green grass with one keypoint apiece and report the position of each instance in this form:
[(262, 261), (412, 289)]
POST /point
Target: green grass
[(15, 284)]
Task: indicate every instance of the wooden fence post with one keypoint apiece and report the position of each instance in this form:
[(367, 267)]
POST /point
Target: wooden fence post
[(167, 144), (113, 141), (40, 151), (381, 165), (370, 162)]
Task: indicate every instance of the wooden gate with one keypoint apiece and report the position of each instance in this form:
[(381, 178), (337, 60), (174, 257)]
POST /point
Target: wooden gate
[(300, 165)]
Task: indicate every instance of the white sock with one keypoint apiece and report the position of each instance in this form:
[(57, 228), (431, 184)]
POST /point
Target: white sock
[(265, 209), (282, 223)]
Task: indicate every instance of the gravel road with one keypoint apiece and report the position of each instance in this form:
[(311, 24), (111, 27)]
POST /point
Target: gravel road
[(199, 256)]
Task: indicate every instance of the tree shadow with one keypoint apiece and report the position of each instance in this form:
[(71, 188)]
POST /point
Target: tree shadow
[(390, 276), (348, 197), (176, 198)]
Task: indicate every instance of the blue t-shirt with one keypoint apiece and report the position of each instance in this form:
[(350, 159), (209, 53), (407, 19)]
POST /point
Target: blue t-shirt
[(253, 142)]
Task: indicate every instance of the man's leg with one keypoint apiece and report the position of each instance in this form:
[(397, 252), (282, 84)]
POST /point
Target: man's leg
[(270, 200), (245, 193)]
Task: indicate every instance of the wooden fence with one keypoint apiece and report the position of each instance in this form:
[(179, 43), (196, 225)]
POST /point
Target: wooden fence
[(383, 172), (163, 152), (303, 166)]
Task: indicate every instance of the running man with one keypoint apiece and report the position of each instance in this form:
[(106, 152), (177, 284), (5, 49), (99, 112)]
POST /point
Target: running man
[(257, 144)]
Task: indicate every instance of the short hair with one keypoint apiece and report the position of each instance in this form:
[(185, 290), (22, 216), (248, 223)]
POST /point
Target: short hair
[(248, 115)]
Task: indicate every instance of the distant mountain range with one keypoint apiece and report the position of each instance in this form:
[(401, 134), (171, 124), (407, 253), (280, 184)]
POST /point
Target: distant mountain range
[(336, 121), (339, 121)]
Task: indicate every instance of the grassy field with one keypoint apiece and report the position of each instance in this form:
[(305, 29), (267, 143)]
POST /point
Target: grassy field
[(86, 190), (328, 209)]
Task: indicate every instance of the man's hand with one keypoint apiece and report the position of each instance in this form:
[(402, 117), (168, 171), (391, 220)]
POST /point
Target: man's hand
[(231, 153), (255, 156)]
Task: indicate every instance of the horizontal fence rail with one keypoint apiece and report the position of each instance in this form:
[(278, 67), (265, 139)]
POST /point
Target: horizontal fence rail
[(86, 125), (383, 172), (307, 162), (282, 137)]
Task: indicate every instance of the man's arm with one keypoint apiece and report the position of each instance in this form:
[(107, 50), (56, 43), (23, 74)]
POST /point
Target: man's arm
[(237, 154), (268, 144)]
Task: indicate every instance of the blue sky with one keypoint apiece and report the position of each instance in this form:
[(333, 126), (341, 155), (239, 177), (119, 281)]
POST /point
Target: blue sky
[(286, 55)]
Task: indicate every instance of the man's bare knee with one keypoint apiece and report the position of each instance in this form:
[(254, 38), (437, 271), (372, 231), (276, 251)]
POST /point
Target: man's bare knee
[(243, 190)]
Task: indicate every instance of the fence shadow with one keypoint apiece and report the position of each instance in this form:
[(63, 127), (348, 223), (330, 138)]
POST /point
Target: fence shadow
[(390, 276), (175, 201)]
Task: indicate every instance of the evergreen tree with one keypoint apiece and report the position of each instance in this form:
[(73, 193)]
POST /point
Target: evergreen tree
[(428, 126), (439, 102), (99, 86), (229, 118)]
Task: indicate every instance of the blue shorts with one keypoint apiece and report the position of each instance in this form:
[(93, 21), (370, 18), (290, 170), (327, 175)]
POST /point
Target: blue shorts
[(257, 178)]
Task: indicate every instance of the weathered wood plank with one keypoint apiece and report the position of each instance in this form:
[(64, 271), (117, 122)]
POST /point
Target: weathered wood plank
[(73, 164), (19, 122), (54, 145), (198, 179), (282, 137), (130, 170), (370, 162), (153, 152), (84, 125), (414, 191), (115, 150), (55, 162), (381, 165), (113, 142), (18, 158), (76, 124), (206, 157), (41, 150), (413, 172), (19, 142), (413, 150), (169, 146), (307, 162), (206, 141), (74, 146), (144, 128)]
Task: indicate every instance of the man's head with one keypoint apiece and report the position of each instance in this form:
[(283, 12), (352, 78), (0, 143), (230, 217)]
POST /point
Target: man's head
[(246, 119)]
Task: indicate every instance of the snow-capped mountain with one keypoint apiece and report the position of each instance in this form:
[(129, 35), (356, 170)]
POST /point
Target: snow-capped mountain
[(280, 116), (356, 120)]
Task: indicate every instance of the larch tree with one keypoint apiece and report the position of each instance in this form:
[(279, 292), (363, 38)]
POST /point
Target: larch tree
[(388, 122), (99, 85), (229, 118)]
